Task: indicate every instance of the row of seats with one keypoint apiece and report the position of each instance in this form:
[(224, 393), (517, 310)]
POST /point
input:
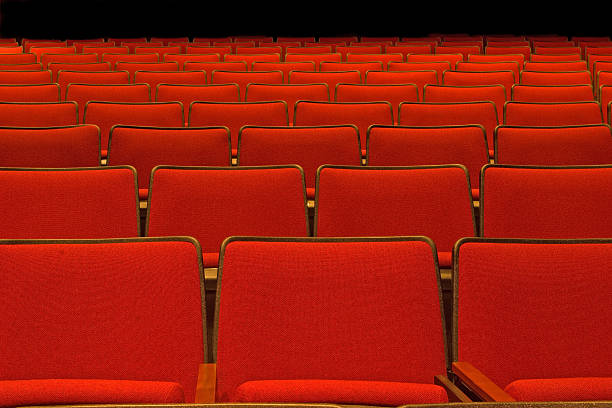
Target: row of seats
[(212, 203), (292, 315)]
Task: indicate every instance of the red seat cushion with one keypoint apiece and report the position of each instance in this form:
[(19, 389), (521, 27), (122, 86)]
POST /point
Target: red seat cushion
[(340, 391), (561, 389), (76, 391)]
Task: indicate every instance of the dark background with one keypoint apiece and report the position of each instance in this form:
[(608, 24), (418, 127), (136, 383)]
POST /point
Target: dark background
[(134, 18)]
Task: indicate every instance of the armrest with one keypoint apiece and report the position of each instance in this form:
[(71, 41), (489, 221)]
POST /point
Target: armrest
[(207, 382), (479, 383), (454, 393)]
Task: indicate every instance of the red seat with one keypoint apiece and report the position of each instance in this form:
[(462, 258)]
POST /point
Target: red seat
[(30, 93), (83, 93), (39, 114), (552, 114)]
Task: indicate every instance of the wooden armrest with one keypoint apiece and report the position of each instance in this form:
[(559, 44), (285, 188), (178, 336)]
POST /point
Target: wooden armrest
[(454, 393), (479, 383), (206, 386)]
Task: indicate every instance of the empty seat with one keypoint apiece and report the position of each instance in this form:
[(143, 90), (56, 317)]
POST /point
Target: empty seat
[(451, 113), (245, 78), (212, 203), (423, 145), (468, 78), (495, 93), (471, 66), (552, 93), (553, 146), (331, 78), (145, 147), (31, 114), (290, 93), (54, 203), (113, 59), (153, 78), (384, 59), (284, 67), (362, 67), (95, 77), (25, 58), (107, 114), (562, 289), (434, 201), (395, 94), (62, 146), (136, 304), (438, 66), (186, 94), (105, 50), (312, 338), (234, 115), (545, 202), (35, 66), (419, 78), (556, 66), (307, 146), (552, 114), (518, 58), (30, 93), (315, 58), (46, 59), (83, 93), (181, 59), (556, 78), (360, 114), (55, 67), (452, 59), (132, 67), (497, 50), (25, 77), (210, 67)]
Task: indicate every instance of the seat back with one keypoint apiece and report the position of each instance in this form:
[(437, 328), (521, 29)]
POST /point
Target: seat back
[(30, 93), (556, 78), (298, 326), (135, 304), (562, 289), (244, 78), (545, 202), (394, 94), (52, 203), (83, 93), (419, 78), (94, 77), (495, 93), (552, 114), (153, 78), (463, 78), (552, 93), (331, 78), (39, 114)]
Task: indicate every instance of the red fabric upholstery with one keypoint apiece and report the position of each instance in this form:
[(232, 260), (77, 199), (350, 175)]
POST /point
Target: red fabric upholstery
[(451, 113), (340, 392), (546, 202), (145, 147), (114, 58), (186, 94), (473, 66), (238, 114), (308, 147), (107, 114), (394, 94), (210, 67), (25, 77), (249, 59), (69, 203), (331, 78), (385, 59), (153, 78), (467, 78), (30, 93), (556, 78), (69, 146), (312, 56), (554, 146), (290, 93), (362, 67), (543, 300), (55, 392), (275, 328), (83, 93), (412, 146), (244, 78), (95, 77), (519, 58), (102, 310), (495, 93), (438, 199), (503, 50), (55, 67), (284, 67), (561, 389), (551, 93), (556, 66), (439, 67), (552, 114), (360, 114), (212, 204), (38, 114), (182, 58), (452, 59), (132, 67)]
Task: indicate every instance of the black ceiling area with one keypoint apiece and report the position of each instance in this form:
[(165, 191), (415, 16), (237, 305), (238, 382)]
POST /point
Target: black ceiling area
[(63, 19)]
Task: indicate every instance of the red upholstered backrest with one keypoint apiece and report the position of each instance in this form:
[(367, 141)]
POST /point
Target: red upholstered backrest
[(104, 309), (474, 66), (451, 113), (395, 94), (434, 201), (64, 146), (309, 147), (245, 78), (412, 146), (331, 78), (495, 93), (90, 77), (315, 57), (56, 67), (132, 67), (419, 78), (30, 93), (186, 94), (554, 66), (533, 309), (114, 58), (463, 78), (211, 204), (282, 315), (284, 67), (552, 114), (25, 77), (153, 78), (83, 93), (531, 202), (290, 93), (556, 78), (553, 146), (108, 114), (93, 202), (145, 147), (360, 114), (552, 93), (210, 67), (238, 114), (438, 66), (451, 58), (182, 58), (46, 59), (38, 114), (362, 67)]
